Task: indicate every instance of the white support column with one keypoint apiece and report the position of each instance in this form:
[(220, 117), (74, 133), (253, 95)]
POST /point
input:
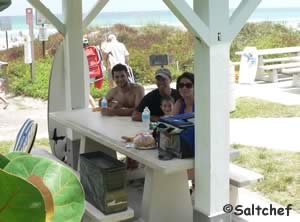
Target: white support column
[(212, 114), (94, 12), (77, 86), (49, 15)]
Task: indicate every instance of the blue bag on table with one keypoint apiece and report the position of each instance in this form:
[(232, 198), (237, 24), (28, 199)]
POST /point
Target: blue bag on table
[(176, 135)]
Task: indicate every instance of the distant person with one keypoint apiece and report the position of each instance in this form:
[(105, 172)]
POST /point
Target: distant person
[(153, 99), (114, 53), (125, 97), (2, 93), (167, 105), (185, 87), (92, 102)]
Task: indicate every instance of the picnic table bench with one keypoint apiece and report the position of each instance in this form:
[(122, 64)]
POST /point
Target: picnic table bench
[(267, 69), (163, 179), (296, 75), (240, 177), (276, 68)]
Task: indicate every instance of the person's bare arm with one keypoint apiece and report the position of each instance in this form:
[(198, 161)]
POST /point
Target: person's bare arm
[(136, 116), (117, 111), (105, 56), (110, 96), (177, 107), (154, 118), (124, 111), (140, 92)]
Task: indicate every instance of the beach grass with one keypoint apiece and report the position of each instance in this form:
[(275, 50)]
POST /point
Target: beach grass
[(281, 171), (248, 107), (40, 143)]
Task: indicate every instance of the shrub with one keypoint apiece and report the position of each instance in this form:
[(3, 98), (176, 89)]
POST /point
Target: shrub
[(19, 78), (141, 43), (264, 35)]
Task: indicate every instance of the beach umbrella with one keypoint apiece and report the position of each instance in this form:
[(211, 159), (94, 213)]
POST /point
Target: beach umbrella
[(4, 4)]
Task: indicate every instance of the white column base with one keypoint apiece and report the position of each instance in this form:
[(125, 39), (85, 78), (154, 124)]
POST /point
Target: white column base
[(166, 197)]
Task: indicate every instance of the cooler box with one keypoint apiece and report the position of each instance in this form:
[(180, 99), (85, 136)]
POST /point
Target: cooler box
[(176, 135), (104, 181)]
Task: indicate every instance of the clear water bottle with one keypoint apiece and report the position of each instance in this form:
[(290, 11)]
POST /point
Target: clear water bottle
[(146, 119), (103, 103)]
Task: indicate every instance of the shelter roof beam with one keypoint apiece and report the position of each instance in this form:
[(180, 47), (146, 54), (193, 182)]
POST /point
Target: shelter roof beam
[(189, 18), (97, 8), (49, 15), (241, 15)]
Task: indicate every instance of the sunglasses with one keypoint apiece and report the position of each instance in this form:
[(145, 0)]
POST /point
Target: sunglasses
[(187, 85)]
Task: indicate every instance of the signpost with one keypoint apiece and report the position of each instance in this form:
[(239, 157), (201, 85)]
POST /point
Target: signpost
[(43, 35), (5, 25), (29, 22)]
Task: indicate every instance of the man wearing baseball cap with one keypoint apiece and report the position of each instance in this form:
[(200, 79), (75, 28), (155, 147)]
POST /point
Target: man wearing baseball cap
[(152, 100)]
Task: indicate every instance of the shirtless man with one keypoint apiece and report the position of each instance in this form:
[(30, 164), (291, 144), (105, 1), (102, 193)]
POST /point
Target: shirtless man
[(124, 98)]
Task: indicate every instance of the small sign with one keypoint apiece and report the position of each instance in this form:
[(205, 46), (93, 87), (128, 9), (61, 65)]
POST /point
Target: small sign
[(5, 23), (29, 16), (27, 51), (43, 35), (40, 19)]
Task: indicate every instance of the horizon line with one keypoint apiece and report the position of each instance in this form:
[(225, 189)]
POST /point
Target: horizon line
[(164, 10)]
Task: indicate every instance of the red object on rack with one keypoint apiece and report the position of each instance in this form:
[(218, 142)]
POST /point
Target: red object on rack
[(95, 65)]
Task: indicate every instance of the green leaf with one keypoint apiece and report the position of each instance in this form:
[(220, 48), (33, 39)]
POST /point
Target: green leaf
[(4, 4), (20, 200), (66, 190), (14, 155), (3, 161)]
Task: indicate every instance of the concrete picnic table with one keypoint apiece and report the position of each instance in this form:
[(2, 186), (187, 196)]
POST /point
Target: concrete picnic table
[(166, 195)]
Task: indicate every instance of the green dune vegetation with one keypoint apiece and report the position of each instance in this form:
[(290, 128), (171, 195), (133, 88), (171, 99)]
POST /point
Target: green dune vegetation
[(141, 43)]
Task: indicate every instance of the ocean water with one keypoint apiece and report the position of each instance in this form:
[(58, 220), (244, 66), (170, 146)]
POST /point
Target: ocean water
[(166, 17), (19, 26)]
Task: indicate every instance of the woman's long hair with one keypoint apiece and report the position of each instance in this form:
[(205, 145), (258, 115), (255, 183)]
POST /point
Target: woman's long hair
[(186, 75)]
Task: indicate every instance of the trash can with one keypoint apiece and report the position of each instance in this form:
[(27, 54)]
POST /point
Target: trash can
[(248, 65), (104, 181)]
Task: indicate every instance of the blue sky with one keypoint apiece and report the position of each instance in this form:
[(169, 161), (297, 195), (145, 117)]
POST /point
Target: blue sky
[(18, 6)]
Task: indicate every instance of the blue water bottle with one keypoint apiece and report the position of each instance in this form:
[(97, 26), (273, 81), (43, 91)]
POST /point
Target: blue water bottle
[(103, 103), (146, 119)]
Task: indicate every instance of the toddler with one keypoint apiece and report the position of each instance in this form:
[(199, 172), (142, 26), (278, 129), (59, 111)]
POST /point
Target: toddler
[(167, 105)]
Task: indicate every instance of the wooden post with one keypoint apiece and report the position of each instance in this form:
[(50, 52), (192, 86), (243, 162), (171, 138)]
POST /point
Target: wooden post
[(43, 45), (32, 51), (6, 35), (29, 22)]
